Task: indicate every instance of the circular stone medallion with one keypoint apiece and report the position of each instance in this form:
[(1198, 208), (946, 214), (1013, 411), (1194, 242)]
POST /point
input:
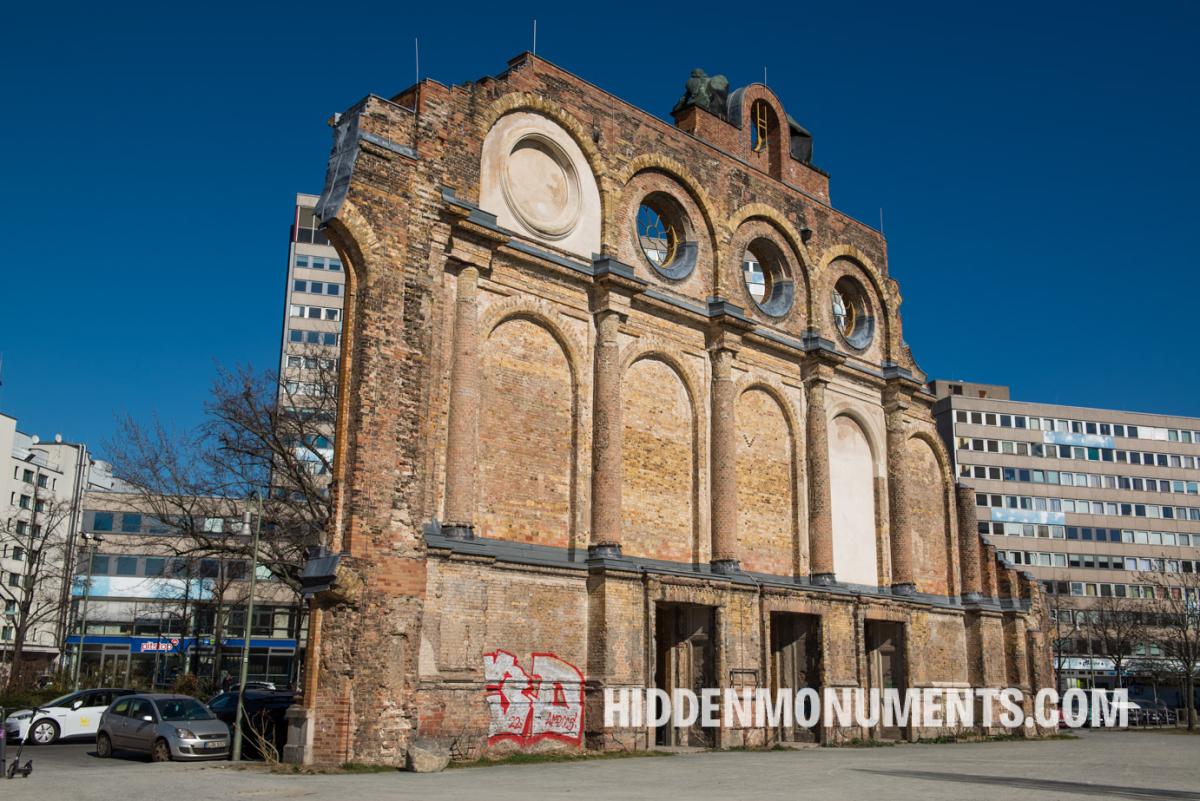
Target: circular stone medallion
[(541, 186)]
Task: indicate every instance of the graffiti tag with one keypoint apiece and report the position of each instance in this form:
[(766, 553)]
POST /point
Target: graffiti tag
[(545, 703)]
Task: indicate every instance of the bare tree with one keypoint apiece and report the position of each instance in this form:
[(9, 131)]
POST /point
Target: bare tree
[(261, 436), (1062, 612), (35, 595), (1116, 627), (1176, 604)]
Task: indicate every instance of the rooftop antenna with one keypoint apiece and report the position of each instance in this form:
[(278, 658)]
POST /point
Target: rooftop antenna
[(535, 37), (764, 74), (417, 58), (881, 219)]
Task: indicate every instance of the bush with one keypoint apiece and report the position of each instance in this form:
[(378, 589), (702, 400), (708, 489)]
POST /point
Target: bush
[(187, 684), (23, 699)]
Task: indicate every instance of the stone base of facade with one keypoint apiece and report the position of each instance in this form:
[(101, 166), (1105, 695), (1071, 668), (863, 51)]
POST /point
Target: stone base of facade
[(516, 647)]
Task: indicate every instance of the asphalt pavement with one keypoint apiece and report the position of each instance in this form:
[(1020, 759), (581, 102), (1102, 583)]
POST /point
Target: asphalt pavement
[(1139, 765)]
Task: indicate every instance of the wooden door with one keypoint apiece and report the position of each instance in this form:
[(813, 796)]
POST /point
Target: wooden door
[(886, 665), (796, 664), (684, 660)]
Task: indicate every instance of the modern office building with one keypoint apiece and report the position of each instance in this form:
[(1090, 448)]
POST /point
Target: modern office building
[(312, 321), (154, 607), (41, 484), (1088, 500)]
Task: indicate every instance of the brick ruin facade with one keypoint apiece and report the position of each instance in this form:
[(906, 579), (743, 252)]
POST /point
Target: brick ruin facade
[(565, 464)]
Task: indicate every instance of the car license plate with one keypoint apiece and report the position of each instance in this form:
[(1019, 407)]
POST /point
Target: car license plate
[(215, 744)]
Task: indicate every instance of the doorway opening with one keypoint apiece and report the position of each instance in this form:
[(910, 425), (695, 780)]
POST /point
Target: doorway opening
[(796, 664), (685, 659), (886, 666)]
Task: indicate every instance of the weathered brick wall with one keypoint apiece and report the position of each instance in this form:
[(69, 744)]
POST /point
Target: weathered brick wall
[(926, 491), (526, 467), (404, 636), (658, 498), (766, 502)]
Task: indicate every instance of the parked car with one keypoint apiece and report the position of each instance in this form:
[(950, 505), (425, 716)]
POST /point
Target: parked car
[(165, 726), (264, 715), (256, 685), (1155, 713), (72, 715)]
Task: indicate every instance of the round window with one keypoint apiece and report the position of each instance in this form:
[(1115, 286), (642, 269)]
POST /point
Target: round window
[(662, 233), (656, 235), (765, 274), (851, 313)]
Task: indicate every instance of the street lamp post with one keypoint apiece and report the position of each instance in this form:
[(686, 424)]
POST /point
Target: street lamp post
[(94, 541), (237, 725)]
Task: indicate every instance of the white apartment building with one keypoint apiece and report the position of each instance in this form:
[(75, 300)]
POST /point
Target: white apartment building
[(41, 488)]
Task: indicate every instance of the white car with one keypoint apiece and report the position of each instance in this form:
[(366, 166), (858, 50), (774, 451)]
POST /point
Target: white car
[(72, 715)]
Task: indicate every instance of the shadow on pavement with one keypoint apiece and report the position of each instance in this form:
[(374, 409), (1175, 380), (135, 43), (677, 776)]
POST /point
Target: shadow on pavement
[(1082, 788)]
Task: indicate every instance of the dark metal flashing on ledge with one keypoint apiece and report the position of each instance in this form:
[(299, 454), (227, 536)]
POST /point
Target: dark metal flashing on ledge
[(720, 307), (319, 572), (529, 250), (603, 553), (610, 558), (726, 567), (604, 266), (387, 144), (474, 213), (811, 340), (893, 370), (679, 303)]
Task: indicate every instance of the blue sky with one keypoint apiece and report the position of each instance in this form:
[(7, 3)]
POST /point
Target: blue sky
[(1036, 164)]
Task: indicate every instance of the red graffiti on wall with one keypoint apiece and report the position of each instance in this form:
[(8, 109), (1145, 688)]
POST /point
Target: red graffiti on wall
[(546, 703)]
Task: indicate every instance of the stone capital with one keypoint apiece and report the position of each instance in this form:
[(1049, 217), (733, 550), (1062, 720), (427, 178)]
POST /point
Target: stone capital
[(463, 252), (718, 338), (605, 298), (897, 398), (816, 372)]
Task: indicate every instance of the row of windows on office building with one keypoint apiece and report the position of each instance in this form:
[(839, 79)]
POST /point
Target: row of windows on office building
[(316, 287), (316, 389), (318, 262), (1099, 589), (31, 476), (299, 337), (1051, 451), (315, 312), (1081, 507), (1089, 561), (13, 552), (268, 621), (23, 528), (1090, 534), (136, 566), (26, 502), (1070, 479), (310, 363), (1076, 426), (138, 523)]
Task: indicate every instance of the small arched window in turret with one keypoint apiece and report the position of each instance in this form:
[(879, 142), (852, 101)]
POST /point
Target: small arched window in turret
[(759, 125)]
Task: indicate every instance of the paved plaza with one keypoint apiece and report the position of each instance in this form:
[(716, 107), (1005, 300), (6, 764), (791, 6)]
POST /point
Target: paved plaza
[(1101, 765)]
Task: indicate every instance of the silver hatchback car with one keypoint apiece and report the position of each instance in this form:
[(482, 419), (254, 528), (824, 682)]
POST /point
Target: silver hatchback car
[(165, 726)]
